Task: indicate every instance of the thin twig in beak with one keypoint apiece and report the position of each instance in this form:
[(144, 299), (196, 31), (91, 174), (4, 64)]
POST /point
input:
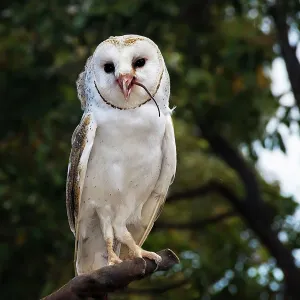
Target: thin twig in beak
[(141, 85)]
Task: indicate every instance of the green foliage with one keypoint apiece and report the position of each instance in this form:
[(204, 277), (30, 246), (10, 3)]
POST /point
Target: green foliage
[(217, 57)]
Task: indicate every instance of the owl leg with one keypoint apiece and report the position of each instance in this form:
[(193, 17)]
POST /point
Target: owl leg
[(112, 256), (109, 239), (124, 236)]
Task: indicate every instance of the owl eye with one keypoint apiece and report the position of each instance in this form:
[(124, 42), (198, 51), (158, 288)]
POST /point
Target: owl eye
[(139, 63), (109, 68)]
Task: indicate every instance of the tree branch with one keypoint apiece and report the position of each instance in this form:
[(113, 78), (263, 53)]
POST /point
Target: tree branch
[(279, 14), (192, 193), (253, 209), (235, 161), (194, 225), (111, 278)]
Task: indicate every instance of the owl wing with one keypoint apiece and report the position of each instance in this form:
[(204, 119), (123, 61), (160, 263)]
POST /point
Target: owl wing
[(82, 143), (153, 206)]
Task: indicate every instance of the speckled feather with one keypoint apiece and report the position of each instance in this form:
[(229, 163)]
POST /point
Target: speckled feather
[(73, 192)]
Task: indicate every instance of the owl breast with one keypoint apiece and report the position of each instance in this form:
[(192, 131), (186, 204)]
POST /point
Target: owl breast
[(125, 161)]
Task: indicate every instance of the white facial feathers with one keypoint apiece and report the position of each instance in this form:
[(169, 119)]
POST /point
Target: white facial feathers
[(119, 62)]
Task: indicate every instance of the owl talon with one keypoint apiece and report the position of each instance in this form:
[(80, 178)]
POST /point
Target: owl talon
[(113, 259), (112, 256), (145, 254), (131, 255), (152, 256)]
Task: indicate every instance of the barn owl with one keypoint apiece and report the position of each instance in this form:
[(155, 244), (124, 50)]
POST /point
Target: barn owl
[(123, 155)]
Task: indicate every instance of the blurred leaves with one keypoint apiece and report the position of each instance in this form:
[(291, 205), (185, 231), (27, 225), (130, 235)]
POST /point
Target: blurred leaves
[(218, 56)]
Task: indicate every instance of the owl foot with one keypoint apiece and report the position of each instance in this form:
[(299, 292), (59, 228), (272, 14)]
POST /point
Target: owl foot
[(139, 252), (113, 259), (151, 255), (135, 250), (131, 254), (112, 256)]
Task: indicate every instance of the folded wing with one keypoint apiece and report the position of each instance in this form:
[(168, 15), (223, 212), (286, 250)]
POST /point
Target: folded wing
[(82, 143)]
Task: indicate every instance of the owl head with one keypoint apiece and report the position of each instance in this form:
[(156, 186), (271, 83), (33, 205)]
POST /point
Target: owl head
[(125, 71)]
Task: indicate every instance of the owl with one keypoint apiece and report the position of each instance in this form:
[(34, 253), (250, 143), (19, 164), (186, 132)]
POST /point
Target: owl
[(123, 152)]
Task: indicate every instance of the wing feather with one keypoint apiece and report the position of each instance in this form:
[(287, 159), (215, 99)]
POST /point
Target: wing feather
[(82, 143)]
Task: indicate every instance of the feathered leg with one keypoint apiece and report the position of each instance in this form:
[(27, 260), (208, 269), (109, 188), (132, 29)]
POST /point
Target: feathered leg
[(112, 256), (108, 234)]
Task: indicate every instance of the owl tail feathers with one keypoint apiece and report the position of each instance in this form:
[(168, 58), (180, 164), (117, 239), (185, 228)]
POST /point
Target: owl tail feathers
[(90, 250), (90, 262)]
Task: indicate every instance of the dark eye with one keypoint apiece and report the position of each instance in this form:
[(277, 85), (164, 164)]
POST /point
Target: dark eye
[(139, 63), (109, 68)]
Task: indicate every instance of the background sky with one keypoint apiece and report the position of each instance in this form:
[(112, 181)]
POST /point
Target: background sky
[(276, 165)]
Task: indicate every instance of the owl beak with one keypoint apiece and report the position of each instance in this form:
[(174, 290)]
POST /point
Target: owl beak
[(125, 82)]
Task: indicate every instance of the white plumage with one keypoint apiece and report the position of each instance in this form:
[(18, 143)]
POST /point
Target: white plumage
[(123, 156)]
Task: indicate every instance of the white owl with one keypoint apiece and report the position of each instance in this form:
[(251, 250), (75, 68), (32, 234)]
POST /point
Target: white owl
[(123, 156)]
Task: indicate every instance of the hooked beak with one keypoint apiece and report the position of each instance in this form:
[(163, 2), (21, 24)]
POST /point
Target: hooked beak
[(126, 82)]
